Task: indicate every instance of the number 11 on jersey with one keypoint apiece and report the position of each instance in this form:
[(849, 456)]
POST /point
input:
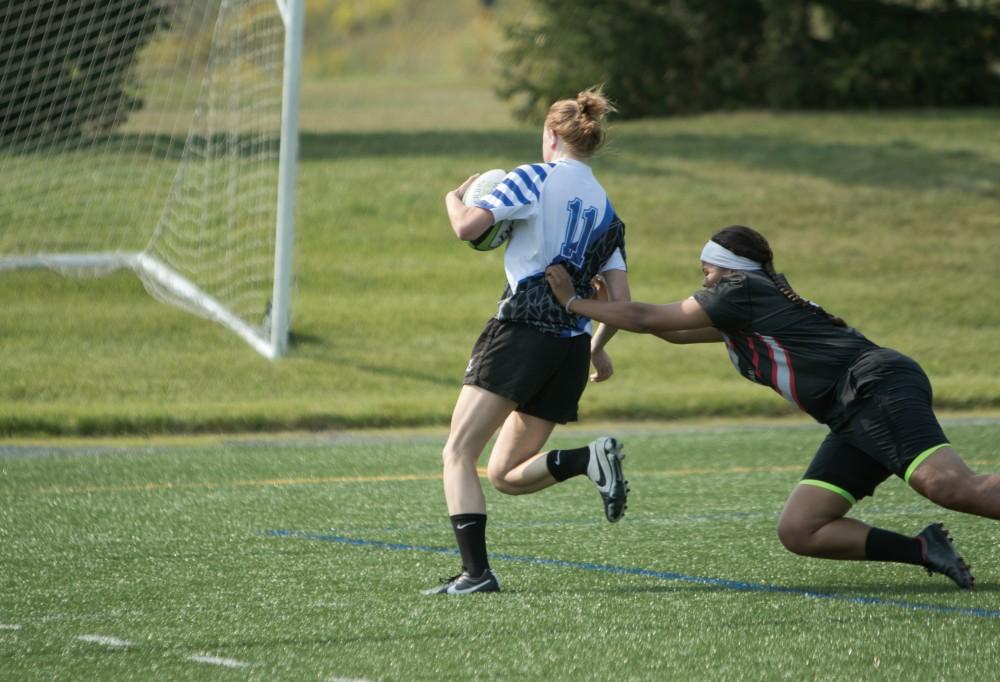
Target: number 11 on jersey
[(579, 227)]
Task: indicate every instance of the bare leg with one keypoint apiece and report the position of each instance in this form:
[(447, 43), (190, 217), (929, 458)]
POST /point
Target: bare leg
[(477, 415), (516, 466), (813, 524), (945, 479)]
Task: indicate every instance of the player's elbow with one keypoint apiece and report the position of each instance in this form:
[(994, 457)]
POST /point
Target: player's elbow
[(471, 222), (467, 231)]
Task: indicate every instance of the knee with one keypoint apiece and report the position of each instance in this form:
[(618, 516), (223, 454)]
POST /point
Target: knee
[(795, 536), (449, 456), (453, 457), (499, 480)]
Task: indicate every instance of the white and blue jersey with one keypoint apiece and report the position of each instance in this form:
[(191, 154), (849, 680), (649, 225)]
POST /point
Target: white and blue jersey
[(565, 217)]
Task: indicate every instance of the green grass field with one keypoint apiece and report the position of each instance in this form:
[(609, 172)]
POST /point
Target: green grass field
[(888, 219), (302, 558)]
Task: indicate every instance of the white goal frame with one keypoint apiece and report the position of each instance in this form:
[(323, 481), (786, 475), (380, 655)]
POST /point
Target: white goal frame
[(272, 340)]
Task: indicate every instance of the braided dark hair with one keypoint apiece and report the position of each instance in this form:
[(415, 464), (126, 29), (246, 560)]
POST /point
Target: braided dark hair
[(749, 243)]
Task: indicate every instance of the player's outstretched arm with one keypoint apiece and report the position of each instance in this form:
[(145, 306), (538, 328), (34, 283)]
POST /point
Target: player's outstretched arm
[(704, 335), (642, 318)]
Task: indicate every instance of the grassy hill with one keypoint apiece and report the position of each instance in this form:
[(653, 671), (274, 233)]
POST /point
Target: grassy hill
[(889, 220)]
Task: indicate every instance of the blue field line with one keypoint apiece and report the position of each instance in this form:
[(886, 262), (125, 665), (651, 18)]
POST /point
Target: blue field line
[(723, 583)]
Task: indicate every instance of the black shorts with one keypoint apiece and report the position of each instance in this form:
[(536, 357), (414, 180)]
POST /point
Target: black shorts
[(890, 429), (545, 375)]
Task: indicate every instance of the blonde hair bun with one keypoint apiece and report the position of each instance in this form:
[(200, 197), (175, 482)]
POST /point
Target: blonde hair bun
[(594, 104), (580, 122)]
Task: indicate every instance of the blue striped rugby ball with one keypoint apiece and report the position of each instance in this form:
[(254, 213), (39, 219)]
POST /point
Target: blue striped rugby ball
[(499, 232)]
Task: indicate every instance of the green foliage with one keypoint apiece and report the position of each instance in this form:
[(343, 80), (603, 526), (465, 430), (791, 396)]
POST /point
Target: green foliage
[(891, 55), (65, 67), (684, 56), (166, 545), (443, 38), (653, 57)]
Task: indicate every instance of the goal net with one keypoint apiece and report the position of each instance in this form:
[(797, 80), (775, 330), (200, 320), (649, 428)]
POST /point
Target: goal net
[(159, 136)]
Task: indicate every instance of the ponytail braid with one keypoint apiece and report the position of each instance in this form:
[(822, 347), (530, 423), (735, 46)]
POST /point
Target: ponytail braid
[(747, 242), (786, 290)]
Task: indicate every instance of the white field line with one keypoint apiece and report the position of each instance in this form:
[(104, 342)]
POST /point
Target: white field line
[(105, 641), (217, 660), (122, 643), (9, 626)]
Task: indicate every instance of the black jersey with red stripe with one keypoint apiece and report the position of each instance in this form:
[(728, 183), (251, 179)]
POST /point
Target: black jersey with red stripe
[(778, 343)]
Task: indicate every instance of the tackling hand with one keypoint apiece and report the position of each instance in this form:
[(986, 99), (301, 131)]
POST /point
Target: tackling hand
[(560, 283)]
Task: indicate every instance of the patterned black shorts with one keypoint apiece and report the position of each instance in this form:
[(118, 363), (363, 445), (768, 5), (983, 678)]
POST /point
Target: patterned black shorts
[(891, 429)]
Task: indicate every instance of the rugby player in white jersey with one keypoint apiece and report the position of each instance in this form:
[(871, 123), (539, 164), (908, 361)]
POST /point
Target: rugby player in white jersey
[(530, 365)]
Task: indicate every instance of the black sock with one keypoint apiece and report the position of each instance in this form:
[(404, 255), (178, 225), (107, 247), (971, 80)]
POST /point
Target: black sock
[(884, 545), (470, 532), (565, 464)]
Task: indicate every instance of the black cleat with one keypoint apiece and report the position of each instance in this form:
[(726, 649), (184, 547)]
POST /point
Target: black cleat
[(940, 556), (463, 583), (605, 470)]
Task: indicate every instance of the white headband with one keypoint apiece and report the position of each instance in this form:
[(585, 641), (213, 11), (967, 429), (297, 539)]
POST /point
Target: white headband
[(716, 254)]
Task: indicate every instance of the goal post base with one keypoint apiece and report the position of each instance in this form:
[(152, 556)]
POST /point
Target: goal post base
[(168, 285), (160, 280)]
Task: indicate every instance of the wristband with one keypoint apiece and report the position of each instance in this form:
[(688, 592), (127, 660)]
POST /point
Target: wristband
[(570, 300)]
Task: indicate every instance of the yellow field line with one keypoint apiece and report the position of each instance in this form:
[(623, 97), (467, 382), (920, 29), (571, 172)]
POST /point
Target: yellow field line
[(280, 482), (700, 471), (315, 480), (213, 485)]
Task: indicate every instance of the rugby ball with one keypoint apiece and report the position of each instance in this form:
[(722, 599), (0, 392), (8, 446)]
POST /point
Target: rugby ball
[(499, 232)]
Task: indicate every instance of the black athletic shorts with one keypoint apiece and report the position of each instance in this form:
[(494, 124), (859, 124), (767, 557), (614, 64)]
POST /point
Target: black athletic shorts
[(545, 375), (889, 427)]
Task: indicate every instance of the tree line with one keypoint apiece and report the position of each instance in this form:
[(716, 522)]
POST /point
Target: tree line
[(655, 57), (663, 57)]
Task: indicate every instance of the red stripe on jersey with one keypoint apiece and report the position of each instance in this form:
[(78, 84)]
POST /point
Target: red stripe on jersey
[(756, 358), (782, 374)]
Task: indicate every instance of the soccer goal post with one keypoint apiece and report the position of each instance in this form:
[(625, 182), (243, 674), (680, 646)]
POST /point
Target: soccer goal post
[(159, 136)]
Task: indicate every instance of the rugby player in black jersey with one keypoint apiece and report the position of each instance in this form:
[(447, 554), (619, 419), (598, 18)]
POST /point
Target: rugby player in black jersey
[(875, 400)]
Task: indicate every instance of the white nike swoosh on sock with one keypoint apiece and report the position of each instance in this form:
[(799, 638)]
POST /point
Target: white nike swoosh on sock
[(465, 525)]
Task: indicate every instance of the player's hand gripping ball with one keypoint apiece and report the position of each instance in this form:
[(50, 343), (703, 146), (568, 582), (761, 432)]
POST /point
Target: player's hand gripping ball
[(499, 232)]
